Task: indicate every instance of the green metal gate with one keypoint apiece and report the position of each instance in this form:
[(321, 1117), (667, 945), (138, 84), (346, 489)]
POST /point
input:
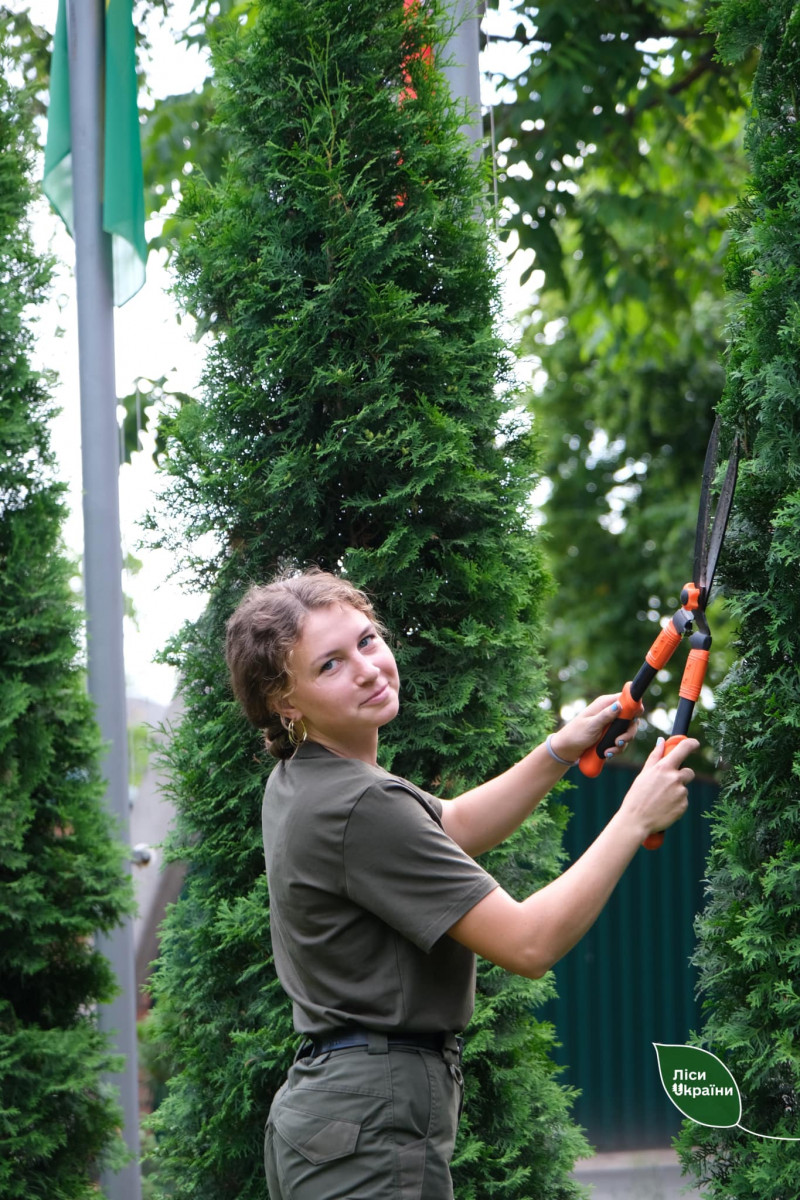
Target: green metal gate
[(629, 982)]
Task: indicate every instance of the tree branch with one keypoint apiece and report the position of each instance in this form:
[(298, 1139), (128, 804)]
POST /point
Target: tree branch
[(704, 64), (685, 34)]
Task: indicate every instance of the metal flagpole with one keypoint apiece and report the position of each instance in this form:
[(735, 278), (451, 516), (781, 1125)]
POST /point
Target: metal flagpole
[(463, 72), (102, 562)]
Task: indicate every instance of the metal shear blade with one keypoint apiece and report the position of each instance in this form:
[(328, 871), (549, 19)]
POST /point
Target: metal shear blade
[(711, 532)]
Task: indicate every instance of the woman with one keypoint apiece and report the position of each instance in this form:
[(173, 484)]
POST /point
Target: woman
[(377, 906)]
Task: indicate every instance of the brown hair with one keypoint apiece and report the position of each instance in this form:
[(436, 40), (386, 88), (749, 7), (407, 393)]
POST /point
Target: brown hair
[(261, 634)]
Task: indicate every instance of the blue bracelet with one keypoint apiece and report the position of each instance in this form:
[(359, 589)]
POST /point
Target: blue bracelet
[(564, 761)]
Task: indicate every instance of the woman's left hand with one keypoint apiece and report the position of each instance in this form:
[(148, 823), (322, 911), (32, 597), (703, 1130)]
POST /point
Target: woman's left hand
[(587, 728)]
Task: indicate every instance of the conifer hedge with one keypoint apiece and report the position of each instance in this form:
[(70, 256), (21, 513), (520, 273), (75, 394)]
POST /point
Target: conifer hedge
[(354, 414), (749, 932), (61, 875)]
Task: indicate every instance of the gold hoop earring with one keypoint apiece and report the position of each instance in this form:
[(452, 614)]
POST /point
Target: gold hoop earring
[(294, 738)]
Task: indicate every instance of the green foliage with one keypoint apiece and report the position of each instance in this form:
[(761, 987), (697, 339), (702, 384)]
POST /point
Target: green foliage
[(29, 44), (61, 873), (620, 157), (353, 415), (143, 409), (139, 748), (621, 111), (179, 137), (748, 952)]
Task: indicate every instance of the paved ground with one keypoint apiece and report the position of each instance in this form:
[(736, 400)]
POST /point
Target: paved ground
[(644, 1175)]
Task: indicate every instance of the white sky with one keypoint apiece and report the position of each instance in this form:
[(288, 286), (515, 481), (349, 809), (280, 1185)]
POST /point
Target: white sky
[(149, 343)]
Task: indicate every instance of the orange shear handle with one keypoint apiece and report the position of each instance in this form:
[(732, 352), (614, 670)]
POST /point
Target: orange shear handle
[(656, 840), (592, 761), (694, 674)]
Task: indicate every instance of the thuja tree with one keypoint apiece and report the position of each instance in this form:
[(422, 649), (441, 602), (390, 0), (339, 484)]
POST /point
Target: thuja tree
[(749, 933), (354, 415), (61, 876)]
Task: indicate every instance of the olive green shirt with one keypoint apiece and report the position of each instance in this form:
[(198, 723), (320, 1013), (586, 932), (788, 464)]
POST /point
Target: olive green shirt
[(364, 884)]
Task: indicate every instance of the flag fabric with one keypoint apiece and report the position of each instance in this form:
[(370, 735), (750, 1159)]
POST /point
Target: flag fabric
[(123, 186), (58, 150)]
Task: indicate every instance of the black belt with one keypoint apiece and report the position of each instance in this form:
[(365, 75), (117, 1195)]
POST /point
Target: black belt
[(348, 1038)]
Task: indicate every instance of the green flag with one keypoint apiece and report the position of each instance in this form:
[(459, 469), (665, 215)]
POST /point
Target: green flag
[(123, 188)]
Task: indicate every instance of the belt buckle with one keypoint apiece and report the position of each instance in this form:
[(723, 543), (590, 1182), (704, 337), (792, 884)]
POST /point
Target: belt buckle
[(452, 1049)]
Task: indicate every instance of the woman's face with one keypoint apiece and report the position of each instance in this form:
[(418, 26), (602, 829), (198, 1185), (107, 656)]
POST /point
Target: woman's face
[(346, 683)]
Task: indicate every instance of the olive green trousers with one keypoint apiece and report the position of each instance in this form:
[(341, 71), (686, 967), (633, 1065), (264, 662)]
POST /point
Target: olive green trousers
[(375, 1123)]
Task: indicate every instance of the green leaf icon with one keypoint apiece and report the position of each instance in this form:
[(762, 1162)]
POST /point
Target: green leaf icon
[(699, 1085)]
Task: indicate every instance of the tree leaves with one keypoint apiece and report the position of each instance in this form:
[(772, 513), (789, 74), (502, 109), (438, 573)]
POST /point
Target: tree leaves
[(631, 134)]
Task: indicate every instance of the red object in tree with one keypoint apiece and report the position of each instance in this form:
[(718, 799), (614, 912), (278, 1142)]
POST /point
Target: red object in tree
[(425, 55)]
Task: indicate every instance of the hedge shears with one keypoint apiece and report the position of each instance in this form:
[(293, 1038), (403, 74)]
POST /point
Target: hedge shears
[(688, 621)]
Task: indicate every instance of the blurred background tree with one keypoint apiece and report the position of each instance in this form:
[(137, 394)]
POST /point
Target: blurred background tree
[(620, 156)]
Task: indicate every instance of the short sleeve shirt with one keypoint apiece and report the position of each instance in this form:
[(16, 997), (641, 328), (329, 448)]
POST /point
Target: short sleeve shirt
[(364, 884)]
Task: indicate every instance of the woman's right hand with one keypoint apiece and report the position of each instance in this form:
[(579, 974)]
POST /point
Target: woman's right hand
[(658, 797)]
